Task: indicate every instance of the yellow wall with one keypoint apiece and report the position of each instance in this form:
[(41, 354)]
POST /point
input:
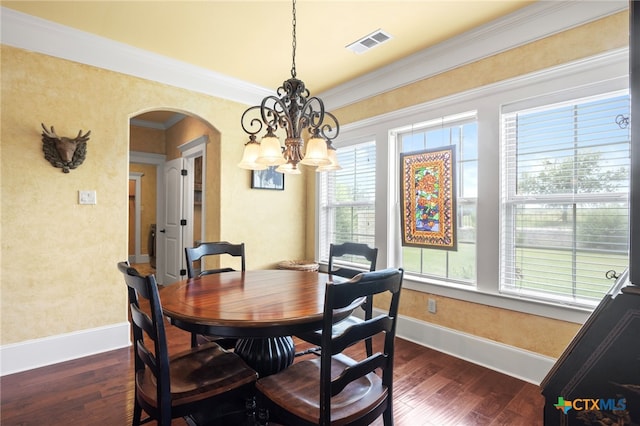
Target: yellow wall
[(74, 284), (144, 139), (58, 257), (524, 331)]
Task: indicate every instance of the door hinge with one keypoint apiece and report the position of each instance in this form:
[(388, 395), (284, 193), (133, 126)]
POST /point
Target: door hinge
[(183, 222), (183, 272), (183, 172)]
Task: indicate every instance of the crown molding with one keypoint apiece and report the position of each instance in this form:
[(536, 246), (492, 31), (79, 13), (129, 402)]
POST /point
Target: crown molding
[(613, 64), (176, 118), (534, 22), (540, 20), (38, 35)]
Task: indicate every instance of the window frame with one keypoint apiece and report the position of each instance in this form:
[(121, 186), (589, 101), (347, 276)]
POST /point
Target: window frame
[(446, 122), (511, 200), (598, 74), (322, 249)]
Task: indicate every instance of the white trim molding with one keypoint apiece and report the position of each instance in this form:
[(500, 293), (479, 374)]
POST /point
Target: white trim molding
[(137, 256), (534, 22), (39, 35), (515, 362), (35, 353)]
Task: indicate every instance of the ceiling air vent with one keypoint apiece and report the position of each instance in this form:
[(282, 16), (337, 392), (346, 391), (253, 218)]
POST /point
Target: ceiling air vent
[(366, 43)]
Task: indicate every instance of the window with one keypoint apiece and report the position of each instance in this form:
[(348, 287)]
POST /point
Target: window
[(565, 192), (347, 199), (527, 241), (462, 131)]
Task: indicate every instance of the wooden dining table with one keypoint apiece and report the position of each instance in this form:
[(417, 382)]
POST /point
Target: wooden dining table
[(262, 308)]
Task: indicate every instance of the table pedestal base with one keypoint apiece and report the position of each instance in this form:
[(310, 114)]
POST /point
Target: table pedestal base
[(267, 355)]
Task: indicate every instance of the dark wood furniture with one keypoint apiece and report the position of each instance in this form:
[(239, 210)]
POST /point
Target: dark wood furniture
[(195, 254), (262, 308), (336, 389), (348, 252), (601, 362), (187, 382)]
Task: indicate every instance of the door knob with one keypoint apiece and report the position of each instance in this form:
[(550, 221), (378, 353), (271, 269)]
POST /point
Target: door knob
[(163, 230)]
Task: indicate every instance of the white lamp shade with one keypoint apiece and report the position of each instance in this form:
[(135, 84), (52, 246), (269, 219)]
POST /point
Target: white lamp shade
[(334, 165), (249, 156), (316, 154), (270, 152), (288, 169)]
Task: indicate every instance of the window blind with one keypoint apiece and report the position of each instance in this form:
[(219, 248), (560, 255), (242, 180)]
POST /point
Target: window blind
[(347, 206), (565, 198)]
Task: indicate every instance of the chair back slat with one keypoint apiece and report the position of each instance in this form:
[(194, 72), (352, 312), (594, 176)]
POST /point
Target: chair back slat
[(369, 284), (351, 250), (364, 331), (194, 254), (142, 321), (356, 371), (147, 357)]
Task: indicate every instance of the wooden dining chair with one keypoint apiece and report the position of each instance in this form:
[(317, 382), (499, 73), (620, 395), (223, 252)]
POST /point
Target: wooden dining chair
[(352, 252), (174, 386), (335, 389), (195, 254)]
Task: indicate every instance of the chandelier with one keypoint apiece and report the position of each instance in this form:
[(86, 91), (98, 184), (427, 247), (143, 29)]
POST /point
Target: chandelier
[(294, 110)]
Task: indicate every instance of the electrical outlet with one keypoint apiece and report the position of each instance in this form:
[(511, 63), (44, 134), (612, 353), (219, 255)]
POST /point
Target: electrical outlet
[(431, 306)]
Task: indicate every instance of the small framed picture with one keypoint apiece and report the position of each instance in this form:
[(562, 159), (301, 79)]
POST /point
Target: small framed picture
[(267, 179)]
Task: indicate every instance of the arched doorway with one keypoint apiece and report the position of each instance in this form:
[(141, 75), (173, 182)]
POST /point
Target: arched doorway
[(169, 150)]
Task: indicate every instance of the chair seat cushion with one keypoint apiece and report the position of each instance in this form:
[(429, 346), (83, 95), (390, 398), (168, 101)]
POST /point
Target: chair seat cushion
[(315, 337), (298, 389), (199, 373)]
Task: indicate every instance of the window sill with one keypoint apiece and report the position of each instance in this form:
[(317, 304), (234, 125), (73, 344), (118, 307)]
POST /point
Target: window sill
[(472, 294)]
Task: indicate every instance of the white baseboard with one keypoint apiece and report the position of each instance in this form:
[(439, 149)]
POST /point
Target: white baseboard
[(63, 347), (519, 363), (525, 365)]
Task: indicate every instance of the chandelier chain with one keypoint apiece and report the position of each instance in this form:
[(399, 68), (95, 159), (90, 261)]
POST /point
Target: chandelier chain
[(293, 44)]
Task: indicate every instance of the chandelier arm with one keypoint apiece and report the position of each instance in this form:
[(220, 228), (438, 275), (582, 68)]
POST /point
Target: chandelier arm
[(251, 125), (321, 119), (272, 110), (314, 116), (330, 130), (277, 113)]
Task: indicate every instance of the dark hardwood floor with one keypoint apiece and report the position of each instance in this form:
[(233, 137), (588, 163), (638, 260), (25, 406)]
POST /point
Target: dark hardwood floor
[(431, 389)]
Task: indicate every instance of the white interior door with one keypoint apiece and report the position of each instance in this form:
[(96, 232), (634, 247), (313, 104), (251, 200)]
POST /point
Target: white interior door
[(170, 234)]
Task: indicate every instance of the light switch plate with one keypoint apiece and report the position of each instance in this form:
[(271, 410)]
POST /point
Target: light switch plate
[(87, 197)]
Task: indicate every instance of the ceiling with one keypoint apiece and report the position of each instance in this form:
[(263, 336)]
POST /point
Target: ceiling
[(252, 40)]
